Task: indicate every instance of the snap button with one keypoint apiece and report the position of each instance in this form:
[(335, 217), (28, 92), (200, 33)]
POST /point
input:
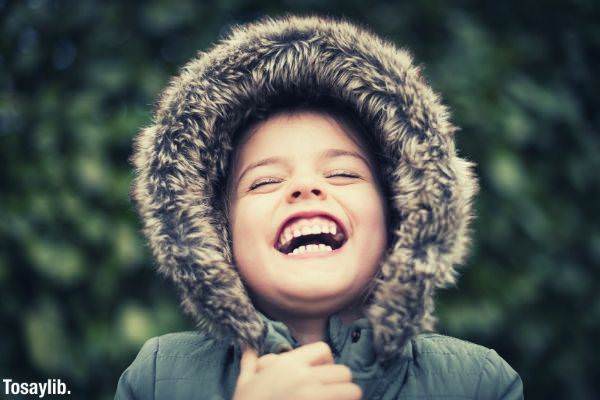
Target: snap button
[(355, 335)]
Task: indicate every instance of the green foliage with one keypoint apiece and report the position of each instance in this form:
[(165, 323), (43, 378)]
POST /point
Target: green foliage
[(78, 79)]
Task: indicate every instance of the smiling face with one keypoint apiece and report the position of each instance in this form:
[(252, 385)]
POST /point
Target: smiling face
[(293, 164)]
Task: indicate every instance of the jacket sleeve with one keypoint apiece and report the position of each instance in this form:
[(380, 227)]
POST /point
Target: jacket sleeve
[(498, 380), (137, 381)]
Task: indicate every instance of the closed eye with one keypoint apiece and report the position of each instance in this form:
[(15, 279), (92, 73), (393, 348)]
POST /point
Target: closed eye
[(344, 174), (262, 183)]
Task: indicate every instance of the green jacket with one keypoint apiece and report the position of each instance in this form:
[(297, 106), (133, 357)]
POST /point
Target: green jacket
[(188, 365), (181, 163)]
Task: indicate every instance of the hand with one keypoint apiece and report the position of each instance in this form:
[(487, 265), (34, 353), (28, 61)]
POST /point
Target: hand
[(305, 373)]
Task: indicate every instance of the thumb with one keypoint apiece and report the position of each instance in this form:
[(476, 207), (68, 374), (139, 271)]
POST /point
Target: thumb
[(247, 365)]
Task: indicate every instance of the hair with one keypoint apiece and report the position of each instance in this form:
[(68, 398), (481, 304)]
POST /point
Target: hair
[(349, 120)]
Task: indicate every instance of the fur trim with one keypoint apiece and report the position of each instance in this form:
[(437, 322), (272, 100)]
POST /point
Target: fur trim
[(182, 157)]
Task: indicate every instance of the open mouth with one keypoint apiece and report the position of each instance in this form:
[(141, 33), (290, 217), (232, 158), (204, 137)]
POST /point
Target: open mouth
[(311, 235)]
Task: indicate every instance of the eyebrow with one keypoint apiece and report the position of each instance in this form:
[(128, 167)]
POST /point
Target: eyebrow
[(328, 153)]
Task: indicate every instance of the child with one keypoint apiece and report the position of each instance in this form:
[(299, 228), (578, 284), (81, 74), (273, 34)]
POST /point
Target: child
[(301, 187)]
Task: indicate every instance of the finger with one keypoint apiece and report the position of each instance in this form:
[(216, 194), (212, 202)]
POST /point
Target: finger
[(317, 353), (340, 391), (247, 365), (264, 361), (336, 373)]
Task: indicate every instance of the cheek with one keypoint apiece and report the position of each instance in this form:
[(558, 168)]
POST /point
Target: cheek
[(250, 223), (368, 208)]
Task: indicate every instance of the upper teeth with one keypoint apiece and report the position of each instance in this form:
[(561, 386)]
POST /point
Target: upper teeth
[(307, 226)]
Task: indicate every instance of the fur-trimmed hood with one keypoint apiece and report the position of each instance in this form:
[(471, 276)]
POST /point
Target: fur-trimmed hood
[(181, 164)]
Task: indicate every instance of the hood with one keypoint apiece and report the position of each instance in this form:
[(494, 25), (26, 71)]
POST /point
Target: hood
[(181, 161)]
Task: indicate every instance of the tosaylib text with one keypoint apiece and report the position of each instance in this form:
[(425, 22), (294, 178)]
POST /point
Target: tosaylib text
[(39, 389)]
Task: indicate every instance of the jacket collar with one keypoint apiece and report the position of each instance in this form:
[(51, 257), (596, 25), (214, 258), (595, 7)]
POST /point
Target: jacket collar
[(351, 344)]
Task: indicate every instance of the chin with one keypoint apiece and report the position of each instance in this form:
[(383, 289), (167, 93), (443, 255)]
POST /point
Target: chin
[(315, 294), (309, 306)]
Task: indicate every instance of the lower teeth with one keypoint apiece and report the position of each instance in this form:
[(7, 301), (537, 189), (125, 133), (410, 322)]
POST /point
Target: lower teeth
[(312, 248)]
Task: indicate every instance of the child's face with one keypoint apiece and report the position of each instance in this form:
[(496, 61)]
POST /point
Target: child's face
[(316, 283)]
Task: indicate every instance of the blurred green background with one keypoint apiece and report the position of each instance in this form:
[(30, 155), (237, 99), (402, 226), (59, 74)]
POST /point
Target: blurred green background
[(78, 79)]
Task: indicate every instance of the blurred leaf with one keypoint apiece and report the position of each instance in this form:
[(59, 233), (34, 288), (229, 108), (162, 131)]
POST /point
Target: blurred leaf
[(60, 262), (135, 324), (507, 173), (46, 338)]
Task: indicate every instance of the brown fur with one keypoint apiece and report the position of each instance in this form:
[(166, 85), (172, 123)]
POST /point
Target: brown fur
[(181, 160)]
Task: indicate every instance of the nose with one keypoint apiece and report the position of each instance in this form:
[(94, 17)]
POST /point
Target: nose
[(306, 190)]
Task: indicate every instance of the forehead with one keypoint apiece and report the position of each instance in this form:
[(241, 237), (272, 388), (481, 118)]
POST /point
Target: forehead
[(302, 135)]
